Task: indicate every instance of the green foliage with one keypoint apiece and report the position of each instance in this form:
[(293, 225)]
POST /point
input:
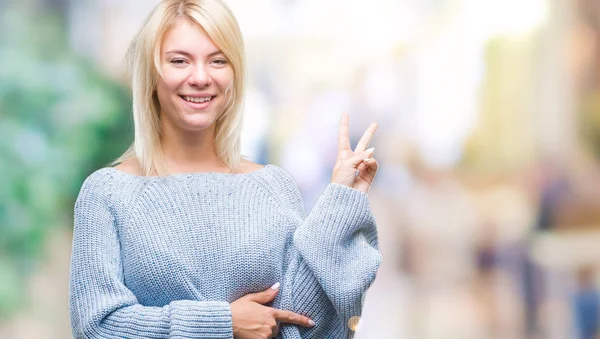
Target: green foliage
[(60, 119), (589, 123)]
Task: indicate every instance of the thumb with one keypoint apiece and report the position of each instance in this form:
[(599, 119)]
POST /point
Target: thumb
[(264, 296), (357, 159)]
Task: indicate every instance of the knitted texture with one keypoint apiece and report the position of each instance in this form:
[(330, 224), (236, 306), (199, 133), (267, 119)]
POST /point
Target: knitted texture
[(163, 257)]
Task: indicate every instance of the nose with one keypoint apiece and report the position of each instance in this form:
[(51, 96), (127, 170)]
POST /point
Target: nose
[(200, 77)]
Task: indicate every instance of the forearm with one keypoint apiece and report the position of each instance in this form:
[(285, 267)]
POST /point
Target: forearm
[(338, 257), (179, 319)]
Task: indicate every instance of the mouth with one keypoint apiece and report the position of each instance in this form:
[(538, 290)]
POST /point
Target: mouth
[(197, 102)]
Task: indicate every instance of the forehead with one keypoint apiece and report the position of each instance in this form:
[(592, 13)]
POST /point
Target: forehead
[(188, 37)]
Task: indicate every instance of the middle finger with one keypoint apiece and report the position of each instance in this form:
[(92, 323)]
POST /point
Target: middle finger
[(366, 138)]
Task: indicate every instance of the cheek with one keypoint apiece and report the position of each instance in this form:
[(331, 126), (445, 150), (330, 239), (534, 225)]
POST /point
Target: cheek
[(171, 80), (163, 93), (225, 79), (167, 86)]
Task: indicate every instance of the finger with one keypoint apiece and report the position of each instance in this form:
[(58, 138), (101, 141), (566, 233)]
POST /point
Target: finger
[(361, 167), (370, 171), (357, 159), (275, 331), (366, 138), (366, 177), (265, 296), (344, 136), (371, 166), (292, 318)]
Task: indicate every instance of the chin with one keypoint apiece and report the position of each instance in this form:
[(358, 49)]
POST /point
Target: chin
[(198, 121)]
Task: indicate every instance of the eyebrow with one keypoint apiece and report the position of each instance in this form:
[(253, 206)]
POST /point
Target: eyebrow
[(179, 51)]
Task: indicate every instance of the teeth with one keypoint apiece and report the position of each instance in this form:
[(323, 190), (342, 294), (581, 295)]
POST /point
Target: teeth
[(197, 100)]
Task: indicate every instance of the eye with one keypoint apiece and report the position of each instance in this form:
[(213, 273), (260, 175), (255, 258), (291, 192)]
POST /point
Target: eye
[(220, 61), (178, 61)]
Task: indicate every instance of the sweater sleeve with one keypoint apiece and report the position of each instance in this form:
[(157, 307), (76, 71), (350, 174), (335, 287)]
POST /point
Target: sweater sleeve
[(101, 305), (336, 261)]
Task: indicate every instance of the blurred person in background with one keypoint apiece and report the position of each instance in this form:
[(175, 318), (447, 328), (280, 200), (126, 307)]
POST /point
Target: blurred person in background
[(586, 304), (185, 237), (553, 192)]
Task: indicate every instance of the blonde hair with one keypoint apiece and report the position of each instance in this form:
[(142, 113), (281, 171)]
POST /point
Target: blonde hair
[(143, 60)]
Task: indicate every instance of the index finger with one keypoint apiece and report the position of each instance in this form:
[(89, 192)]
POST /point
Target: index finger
[(292, 318), (344, 136)]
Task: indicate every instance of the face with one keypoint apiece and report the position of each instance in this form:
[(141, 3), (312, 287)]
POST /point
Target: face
[(193, 91)]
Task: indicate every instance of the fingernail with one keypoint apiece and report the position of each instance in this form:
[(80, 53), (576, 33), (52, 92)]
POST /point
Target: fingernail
[(311, 323), (368, 160), (275, 287), (370, 150)]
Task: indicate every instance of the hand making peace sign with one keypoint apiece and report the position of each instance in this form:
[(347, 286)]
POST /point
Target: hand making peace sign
[(348, 161)]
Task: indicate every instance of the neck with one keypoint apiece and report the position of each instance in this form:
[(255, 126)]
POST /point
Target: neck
[(190, 152)]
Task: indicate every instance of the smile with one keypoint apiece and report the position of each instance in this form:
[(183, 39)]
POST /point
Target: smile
[(196, 99)]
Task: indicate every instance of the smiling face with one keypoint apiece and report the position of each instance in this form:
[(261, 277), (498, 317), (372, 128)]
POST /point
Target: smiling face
[(197, 78)]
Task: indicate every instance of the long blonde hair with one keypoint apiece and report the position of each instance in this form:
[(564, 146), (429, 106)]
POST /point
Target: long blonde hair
[(143, 60)]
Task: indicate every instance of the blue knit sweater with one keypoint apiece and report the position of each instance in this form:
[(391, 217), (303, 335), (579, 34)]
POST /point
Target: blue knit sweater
[(162, 257)]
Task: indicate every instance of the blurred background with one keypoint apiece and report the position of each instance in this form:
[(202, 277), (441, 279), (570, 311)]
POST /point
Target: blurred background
[(488, 196)]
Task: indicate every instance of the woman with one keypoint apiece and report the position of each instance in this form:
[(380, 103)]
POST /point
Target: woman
[(184, 238)]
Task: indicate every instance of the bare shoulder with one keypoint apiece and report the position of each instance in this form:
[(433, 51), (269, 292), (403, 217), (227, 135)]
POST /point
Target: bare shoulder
[(131, 166), (247, 166)]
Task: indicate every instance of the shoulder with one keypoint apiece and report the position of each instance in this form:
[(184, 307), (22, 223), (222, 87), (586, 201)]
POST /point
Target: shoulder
[(130, 166), (247, 166), (105, 182), (98, 180), (95, 189), (274, 174), (284, 186), (283, 178)]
